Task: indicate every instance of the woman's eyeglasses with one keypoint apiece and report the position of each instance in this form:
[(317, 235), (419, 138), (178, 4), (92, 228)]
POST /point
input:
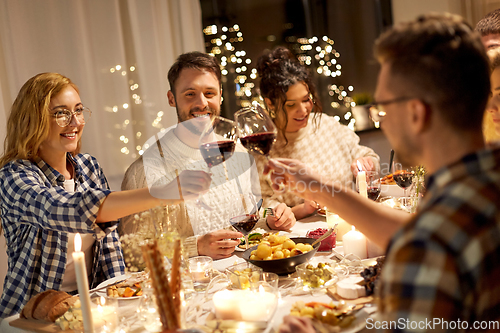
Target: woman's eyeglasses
[(64, 116)]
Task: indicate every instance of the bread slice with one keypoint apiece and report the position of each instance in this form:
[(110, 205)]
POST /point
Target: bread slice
[(43, 308), (60, 308), (29, 308)]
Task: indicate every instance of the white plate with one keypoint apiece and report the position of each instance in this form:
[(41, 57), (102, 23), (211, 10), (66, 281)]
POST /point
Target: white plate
[(114, 280)]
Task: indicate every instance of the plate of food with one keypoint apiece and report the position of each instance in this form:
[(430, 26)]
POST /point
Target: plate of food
[(123, 287), (327, 316), (280, 254)]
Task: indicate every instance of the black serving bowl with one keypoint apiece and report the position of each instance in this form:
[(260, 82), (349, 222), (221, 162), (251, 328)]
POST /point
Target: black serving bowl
[(285, 265)]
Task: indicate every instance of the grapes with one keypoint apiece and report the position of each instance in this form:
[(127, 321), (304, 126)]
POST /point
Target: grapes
[(371, 274)]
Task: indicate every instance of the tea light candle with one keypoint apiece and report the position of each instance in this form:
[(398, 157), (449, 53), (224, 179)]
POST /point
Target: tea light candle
[(83, 284), (355, 243), (199, 275), (226, 303), (201, 271), (258, 306), (105, 315), (244, 305)]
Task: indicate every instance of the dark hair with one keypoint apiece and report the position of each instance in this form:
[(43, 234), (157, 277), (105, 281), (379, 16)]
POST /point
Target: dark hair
[(439, 59), (196, 60), (489, 24), (279, 70)]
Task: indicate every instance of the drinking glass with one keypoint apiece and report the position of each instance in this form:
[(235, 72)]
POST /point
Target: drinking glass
[(373, 185), (403, 177), (217, 143), (256, 129), (245, 222)]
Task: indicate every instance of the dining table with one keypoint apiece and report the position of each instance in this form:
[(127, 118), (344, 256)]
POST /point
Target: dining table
[(200, 313)]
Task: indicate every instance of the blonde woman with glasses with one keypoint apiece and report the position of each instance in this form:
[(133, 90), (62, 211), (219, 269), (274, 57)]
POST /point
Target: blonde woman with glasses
[(50, 191)]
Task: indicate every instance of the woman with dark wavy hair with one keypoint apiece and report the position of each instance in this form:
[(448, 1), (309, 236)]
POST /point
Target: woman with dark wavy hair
[(304, 133)]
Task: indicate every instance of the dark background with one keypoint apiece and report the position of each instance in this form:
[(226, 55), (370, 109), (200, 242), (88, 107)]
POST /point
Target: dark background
[(353, 25)]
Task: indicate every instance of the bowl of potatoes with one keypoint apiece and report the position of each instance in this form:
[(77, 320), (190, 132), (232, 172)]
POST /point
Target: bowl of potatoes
[(280, 254)]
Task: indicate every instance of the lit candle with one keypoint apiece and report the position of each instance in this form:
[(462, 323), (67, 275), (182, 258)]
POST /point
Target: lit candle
[(361, 181), (105, 315), (83, 285), (200, 275), (355, 242), (244, 305), (258, 306), (226, 303)]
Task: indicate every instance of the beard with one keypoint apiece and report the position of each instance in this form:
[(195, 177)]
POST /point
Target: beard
[(195, 127)]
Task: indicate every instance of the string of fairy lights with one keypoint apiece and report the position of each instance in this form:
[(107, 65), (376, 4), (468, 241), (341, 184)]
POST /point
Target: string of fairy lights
[(319, 54), (236, 68)]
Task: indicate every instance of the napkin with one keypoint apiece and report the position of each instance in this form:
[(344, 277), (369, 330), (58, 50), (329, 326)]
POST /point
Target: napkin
[(222, 264)]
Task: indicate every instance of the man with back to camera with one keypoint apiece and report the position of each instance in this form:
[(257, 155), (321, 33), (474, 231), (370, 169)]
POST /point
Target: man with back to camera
[(196, 92), (441, 269)]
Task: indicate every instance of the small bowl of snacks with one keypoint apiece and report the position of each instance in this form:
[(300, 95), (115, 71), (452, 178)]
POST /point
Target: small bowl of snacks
[(280, 254), (243, 274), (326, 244), (317, 273)]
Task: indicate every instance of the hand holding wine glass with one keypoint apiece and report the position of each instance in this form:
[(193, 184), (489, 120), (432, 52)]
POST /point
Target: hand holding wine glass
[(217, 144), (256, 130), (245, 222)]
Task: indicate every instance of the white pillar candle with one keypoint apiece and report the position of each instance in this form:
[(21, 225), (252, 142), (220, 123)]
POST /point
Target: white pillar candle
[(342, 228), (226, 303), (258, 306), (355, 242), (83, 285), (362, 186)]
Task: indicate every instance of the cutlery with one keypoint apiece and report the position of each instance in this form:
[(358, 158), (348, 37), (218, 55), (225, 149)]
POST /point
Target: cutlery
[(106, 286), (390, 160)]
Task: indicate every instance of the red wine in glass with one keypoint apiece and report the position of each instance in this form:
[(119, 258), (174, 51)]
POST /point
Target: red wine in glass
[(256, 129), (244, 224), (215, 153), (373, 193), (260, 143), (403, 179), (217, 143)]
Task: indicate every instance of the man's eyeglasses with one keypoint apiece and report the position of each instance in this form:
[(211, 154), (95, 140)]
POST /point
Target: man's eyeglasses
[(63, 116), (376, 110)]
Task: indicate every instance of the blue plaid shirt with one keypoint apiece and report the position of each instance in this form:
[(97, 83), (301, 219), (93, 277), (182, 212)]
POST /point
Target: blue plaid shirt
[(37, 214)]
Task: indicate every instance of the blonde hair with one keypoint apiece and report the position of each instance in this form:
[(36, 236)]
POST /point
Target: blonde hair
[(28, 123), (489, 132)]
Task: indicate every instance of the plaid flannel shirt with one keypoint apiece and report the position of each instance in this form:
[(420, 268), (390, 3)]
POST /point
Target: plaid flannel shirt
[(445, 264), (37, 213)]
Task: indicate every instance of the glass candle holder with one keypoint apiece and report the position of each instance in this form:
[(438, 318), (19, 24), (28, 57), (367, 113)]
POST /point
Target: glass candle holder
[(201, 271), (104, 314)]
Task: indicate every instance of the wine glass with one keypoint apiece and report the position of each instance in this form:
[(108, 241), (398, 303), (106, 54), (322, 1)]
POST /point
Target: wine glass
[(257, 131), (373, 185), (403, 177), (217, 143), (245, 222)]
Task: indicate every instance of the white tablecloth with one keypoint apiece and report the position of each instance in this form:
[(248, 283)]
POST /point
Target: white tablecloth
[(127, 308)]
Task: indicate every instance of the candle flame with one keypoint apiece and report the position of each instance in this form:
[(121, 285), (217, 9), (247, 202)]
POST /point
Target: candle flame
[(360, 167), (353, 228), (78, 243), (103, 300), (261, 289)]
